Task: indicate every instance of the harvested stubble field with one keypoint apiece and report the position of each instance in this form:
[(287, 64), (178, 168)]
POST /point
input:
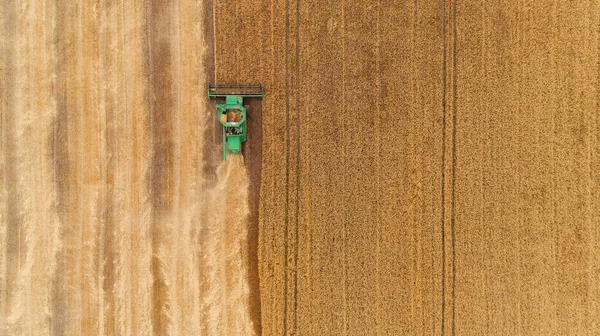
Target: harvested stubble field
[(113, 191), (415, 167)]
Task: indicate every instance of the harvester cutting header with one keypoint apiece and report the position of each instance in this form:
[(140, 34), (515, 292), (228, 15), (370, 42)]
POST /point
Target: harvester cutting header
[(232, 112)]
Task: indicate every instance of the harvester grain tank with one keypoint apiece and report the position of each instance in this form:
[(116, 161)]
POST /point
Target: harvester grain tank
[(232, 113)]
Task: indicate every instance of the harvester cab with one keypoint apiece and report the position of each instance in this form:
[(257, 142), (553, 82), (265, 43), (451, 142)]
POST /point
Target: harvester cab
[(232, 112)]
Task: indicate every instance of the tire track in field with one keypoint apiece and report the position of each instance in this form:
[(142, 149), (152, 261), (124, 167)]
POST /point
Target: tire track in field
[(299, 167), (287, 170), (448, 255), (444, 155)]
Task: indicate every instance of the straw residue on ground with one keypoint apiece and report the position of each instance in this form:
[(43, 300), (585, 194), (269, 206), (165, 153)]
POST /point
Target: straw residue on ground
[(109, 223)]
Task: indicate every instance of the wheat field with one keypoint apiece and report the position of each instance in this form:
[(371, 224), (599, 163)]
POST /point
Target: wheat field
[(439, 163), (415, 167)]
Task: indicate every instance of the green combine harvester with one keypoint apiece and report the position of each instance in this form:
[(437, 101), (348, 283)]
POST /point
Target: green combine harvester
[(232, 113)]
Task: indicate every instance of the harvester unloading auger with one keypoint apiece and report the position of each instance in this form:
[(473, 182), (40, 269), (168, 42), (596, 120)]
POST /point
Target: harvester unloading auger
[(232, 113)]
